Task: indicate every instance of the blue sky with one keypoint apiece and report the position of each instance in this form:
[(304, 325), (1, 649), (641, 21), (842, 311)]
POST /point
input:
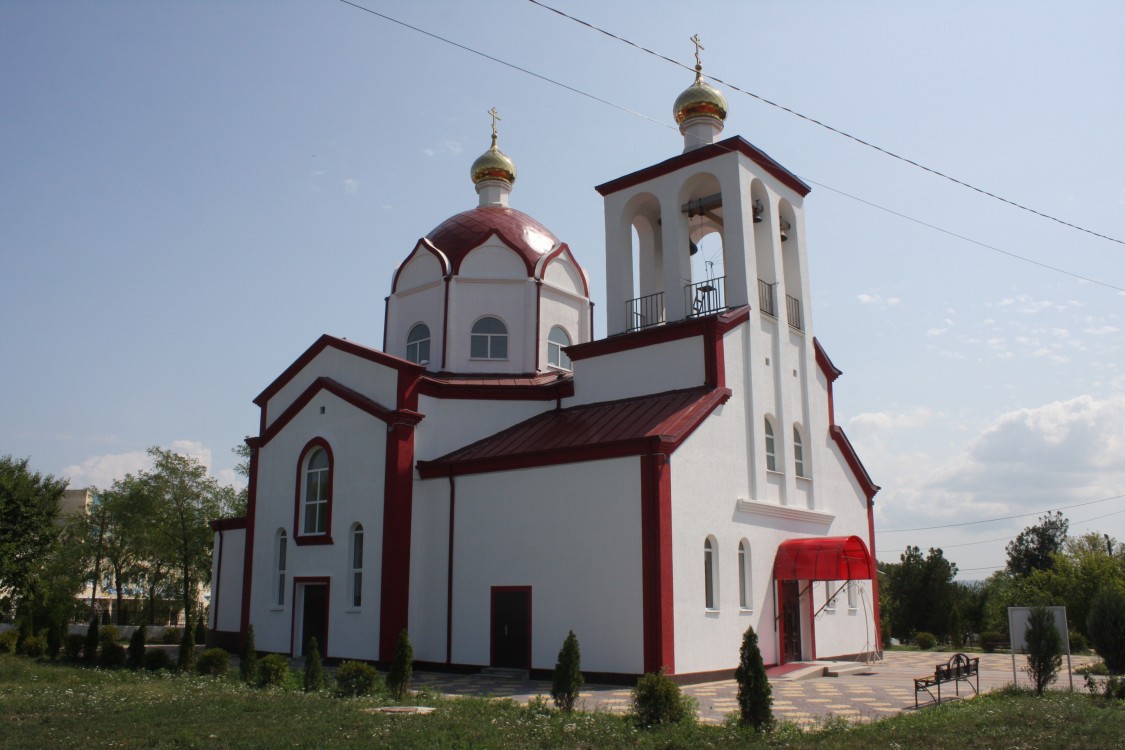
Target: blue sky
[(193, 192)]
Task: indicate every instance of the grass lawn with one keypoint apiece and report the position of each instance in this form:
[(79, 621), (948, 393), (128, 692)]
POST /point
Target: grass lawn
[(54, 707)]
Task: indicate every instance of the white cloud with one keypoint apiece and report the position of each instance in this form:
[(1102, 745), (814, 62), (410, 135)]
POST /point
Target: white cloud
[(101, 471), (1101, 330), (351, 186), (936, 331), (428, 152), (878, 300), (886, 420)]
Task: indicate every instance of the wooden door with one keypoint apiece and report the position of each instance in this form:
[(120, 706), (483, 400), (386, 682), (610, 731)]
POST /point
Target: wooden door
[(511, 627)]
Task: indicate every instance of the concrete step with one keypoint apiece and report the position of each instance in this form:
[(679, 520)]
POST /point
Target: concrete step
[(847, 667), (505, 673)]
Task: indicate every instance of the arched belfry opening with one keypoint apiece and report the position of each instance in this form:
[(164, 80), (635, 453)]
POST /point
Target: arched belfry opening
[(790, 242)]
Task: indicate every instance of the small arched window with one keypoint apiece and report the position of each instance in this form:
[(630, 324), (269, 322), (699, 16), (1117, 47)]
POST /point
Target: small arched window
[(489, 339), (745, 594), (280, 552), (771, 448), (798, 453), (356, 582), (710, 600), (557, 340), (316, 496), (418, 344)]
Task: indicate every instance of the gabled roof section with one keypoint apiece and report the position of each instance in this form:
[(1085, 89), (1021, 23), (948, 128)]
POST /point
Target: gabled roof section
[(608, 429), (703, 153), (548, 386), (355, 398), (830, 370), (325, 342), (422, 246), (852, 458)]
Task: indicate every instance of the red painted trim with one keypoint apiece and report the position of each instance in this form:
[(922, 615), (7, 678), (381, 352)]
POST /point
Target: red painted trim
[(869, 487), (445, 324), (310, 581), (386, 312), (673, 436), (227, 524), (423, 245), (735, 144), (779, 594), (449, 572), (874, 576), (539, 365), (713, 325), (812, 621), (547, 259), (356, 399), (492, 618), (248, 545), (348, 347), (656, 558), (398, 489), (831, 372), (299, 538), (561, 387)]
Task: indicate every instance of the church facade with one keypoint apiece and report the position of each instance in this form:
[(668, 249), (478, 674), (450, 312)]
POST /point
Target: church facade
[(492, 477)]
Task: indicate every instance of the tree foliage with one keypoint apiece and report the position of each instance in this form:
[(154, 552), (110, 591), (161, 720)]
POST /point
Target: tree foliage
[(1035, 547), (567, 679), (29, 505), (402, 668), (918, 592), (1106, 627)]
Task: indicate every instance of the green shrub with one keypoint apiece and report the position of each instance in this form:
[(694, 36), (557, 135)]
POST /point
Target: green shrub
[(658, 700), (273, 670), (990, 639), (112, 655), (755, 702), (1044, 648), (109, 634), (34, 646), (214, 662), (156, 658), (1078, 643), (314, 672), (200, 629), (136, 655), (186, 658), (355, 678), (925, 641), (248, 659), (171, 636), (402, 668), (1106, 627), (8, 641), (567, 679), (73, 645), (90, 647), (56, 632)]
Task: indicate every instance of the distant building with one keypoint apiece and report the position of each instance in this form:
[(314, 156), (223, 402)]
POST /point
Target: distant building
[(74, 502), (494, 477)]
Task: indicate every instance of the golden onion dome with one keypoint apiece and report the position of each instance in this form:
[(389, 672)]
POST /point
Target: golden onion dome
[(493, 164), (700, 100)]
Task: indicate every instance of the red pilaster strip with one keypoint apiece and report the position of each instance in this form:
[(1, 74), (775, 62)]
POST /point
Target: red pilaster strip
[(398, 486), (656, 560)]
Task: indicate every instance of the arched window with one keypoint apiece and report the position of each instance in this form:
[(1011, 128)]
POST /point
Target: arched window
[(710, 600), (418, 344), (316, 495), (489, 339), (557, 339), (771, 450), (280, 551), (745, 593), (798, 453), (356, 582)]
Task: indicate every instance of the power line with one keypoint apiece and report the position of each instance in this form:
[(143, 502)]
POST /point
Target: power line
[(673, 127), (837, 131), (1002, 518), (1010, 538)]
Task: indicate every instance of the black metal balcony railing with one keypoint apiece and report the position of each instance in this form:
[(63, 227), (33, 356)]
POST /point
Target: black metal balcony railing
[(793, 312), (765, 298), (705, 297), (643, 312)]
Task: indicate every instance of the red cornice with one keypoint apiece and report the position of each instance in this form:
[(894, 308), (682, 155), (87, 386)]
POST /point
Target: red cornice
[(869, 487), (562, 249), (737, 143), (348, 347), (228, 524), (830, 370), (423, 245), (711, 325), (563, 387), (358, 400)]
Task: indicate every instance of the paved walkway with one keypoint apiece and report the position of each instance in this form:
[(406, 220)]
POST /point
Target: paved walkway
[(882, 689)]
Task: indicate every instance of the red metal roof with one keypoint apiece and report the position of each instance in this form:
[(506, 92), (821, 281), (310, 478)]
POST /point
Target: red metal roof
[(459, 235), (587, 432), (834, 558)]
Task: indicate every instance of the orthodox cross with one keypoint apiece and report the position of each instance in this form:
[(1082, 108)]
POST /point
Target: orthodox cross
[(495, 119), (698, 46)]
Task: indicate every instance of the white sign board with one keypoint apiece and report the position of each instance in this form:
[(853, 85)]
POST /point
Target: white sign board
[(1017, 627)]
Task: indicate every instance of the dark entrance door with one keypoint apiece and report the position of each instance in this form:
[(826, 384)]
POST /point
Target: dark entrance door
[(314, 618), (790, 621), (511, 627)]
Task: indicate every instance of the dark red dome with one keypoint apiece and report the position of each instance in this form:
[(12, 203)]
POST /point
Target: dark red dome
[(458, 235)]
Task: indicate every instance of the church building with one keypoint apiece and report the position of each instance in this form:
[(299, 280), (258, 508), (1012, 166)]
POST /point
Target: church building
[(492, 476)]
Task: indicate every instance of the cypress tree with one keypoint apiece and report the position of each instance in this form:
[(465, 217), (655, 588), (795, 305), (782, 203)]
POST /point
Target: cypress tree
[(402, 668), (187, 650), (314, 672), (754, 698), (567, 679), (136, 653), (248, 659), (90, 649)]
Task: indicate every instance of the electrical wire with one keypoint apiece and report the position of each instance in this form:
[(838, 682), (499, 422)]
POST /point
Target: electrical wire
[(837, 131), (1001, 518)]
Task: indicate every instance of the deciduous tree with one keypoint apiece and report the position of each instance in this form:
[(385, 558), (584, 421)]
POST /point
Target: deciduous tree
[(29, 505), (1035, 547)]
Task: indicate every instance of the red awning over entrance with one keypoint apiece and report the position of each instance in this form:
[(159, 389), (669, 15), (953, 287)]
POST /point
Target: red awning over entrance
[(836, 558)]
